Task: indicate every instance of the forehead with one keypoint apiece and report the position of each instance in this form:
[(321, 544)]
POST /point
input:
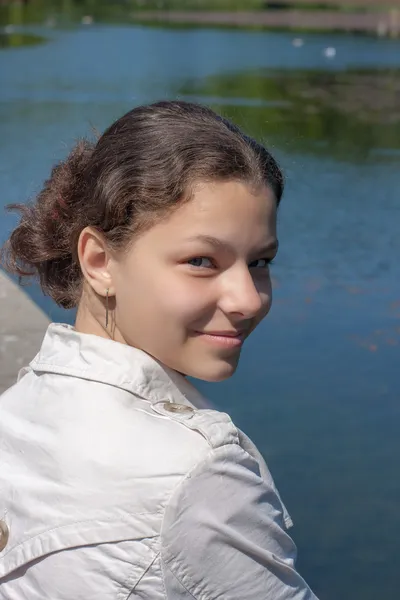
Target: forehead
[(229, 210)]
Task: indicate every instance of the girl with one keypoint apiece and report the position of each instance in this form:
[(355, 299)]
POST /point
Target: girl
[(116, 481)]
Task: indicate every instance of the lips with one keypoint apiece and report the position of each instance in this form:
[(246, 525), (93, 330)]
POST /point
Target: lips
[(224, 333), (227, 339)]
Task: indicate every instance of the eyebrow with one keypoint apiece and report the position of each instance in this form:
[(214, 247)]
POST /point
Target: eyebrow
[(222, 245)]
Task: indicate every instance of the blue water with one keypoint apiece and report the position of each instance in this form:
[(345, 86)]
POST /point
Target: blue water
[(318, 386)]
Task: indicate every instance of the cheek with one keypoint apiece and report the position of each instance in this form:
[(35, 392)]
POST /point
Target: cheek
[(167, 296), (265, 291), (187, 298)]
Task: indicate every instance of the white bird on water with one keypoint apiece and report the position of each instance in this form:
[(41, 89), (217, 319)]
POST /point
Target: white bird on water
[(297, 42), (87, 20), (330, 52)]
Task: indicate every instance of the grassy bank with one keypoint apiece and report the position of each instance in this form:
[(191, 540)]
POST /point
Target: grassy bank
[(251, 14)]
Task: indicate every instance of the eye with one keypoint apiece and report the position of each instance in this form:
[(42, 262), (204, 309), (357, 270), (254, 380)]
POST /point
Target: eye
[(261, 263), (201, 262)]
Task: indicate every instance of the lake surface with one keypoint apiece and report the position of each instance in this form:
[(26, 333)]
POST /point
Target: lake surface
[(318, 388)]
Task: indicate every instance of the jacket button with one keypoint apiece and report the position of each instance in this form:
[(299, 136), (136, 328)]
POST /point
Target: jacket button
[(177, 408), (4, 535)]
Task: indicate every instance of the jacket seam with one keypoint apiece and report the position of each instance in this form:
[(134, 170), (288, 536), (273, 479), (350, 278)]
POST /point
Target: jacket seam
[(191, 424), (46, 531), (162, 574), (165, 566), (129, 587)]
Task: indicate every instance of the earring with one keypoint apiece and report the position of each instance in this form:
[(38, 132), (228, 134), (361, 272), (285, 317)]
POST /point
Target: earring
[(107, 290)]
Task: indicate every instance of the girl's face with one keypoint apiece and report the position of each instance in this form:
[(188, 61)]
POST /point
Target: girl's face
[(194, 286)]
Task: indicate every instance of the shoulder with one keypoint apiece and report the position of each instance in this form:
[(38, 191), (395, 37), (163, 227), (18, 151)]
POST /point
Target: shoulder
[(224, 508), (214, 426), (82, 419), (233, 460)]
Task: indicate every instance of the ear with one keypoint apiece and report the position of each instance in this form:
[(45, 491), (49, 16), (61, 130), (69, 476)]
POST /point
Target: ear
[(94, 258)]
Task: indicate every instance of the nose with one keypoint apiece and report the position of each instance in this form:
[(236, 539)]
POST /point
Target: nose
[(243, 296)]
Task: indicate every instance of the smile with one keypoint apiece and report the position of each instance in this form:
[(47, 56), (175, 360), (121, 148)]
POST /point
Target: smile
[(225, 339)]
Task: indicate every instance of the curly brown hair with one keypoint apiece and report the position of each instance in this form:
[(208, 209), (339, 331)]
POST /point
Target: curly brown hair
[(142, 167)]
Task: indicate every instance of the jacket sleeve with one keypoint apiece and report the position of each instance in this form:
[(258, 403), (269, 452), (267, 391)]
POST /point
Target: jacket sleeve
[(223, 535)]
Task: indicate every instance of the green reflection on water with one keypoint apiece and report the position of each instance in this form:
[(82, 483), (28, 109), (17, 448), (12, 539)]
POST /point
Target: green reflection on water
[(15, 40), (349, 114)]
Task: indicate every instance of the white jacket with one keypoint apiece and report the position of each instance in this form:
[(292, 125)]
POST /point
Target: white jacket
[(116, 483)]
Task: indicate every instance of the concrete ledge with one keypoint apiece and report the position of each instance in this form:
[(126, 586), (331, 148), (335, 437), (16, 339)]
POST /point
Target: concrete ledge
[(22, 327)]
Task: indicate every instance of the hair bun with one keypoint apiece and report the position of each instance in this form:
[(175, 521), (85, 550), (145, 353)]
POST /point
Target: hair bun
[(41, 244)]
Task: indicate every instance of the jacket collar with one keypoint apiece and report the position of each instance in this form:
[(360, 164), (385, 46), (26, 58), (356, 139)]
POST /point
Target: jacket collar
[(68, 352)]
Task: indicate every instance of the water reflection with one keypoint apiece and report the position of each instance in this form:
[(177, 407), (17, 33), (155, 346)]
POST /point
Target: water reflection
[(318, 386), (16, 39), (343, 114)]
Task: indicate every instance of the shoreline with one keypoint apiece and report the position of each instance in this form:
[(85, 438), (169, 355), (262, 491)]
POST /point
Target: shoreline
[(382, 23), (22, 327)]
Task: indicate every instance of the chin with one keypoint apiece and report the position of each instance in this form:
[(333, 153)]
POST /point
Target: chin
[(217, 372)]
